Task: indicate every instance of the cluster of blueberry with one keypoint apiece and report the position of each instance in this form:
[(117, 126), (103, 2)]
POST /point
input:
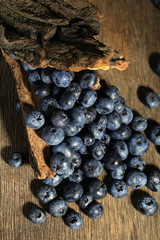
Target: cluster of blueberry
[(88, 130)]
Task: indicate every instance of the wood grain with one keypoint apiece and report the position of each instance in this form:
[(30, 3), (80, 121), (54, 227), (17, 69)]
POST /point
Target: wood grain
[(131, 27)]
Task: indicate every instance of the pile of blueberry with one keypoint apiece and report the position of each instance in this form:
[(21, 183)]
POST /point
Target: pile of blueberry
[(88, 130)]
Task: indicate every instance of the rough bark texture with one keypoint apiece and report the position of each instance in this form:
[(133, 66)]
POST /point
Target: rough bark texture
[(55, 33)]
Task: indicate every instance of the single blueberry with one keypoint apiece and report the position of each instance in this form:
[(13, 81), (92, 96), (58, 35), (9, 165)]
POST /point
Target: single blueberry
[(15, 160), (83, 150), (104, 105), (53, 136), (93, 168), (74, 220), (46, 75), (96, 130), (37, 215), (136, 163), (63, 148), (112, 92), (123, 133), (153, 180), (97, 189), (42, 90), (34, 78), (98, 150), (62, 78), (58, 208), (73, 128), (59, 119), (88, 80), (48, 104), (106, 138), (138, 144), (114, 121), (139, 124), (118, 189), (126, 115), (72, 192), (152, 100), (88, 138), (85, 200), (28, 67), (75, 88), (77, 176), (35, 119), (90, 115), (74, 142), (118, 172), (101, 121), (46, 193), (121, 148), (88, 98), (155, 135), (57, 91), (67, 100), (77, 114), (75, 160), (147, 205), (55, 181), (67, 174), (120, 104), (136, 179), (112, 160), (59, 163), (95, 210)]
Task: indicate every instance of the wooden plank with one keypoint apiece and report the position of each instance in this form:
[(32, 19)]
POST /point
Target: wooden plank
[(131, 27)]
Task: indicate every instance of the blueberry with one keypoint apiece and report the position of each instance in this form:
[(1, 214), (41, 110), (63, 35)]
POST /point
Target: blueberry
[(67, 100), (118, 172), (120, 105), (126, 115), (96, 130), (88, 80), (58, 208), (59, 163), (147, 205), (136, 179), (18, 106), (63, 148), (118, 189), (93, 168), (74, 142), (83, 150), (155, 135), (98, 150), (53, 136), (55, 181), (15, 160), (48, 104), (46, 75), (46, 193), (37, 215), (77, 176), (104, 105), (74, 220), (153, 181), (114, 121), (138, 144), (90, 114), (139, 124), (106, 138), (88, 98), (42, 90), (152, 100), (97, 189), (62, 78), (57, 91), (73, 128), (35, 119), (112, 92), (157, 63), (88, 138), (85, 200), (72, 192), (59, 119), (136, 163), (101, 121), (77, 114), (75, 160), (123, 133), (28, 67), (112, 160), (95, 210), (34, 78), (75, 88), (67, 174), (121, 148)]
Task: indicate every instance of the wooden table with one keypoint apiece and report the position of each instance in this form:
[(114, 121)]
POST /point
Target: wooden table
[(131, 27)]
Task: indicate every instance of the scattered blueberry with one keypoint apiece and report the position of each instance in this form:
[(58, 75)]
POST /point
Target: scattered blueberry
[(104, 105), (93, 168), (59, 163), (139, 124), (64, 148), (95, 210), (46, 75), (97, 189), (46, 193), (136, 179), (136, 162), (55, 181), (138, 144), (118, 172), (120, 105), (98, 150), (37, 215), (74, 142), (74, 220), (90, 114), (88, 138), (73, 128), (152, 100), (75, 160), (83, 150), (112, 160), (112, 92), (35, 119), (48, 104), (123, 133), (77, 115), (67, 100), (53, 136), (155, 135), (59, 119), (85, 200), (42, 90), (57, 91), (118, 189), (77, 176), (114, 121), (153, 180), (72, 192), (15, 160), (34, 78), (121, 148), (62, 78), (75, 89), (147, 205), (106, 138), (126, 115), (88, 80), (88, 98), (58, 208)]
